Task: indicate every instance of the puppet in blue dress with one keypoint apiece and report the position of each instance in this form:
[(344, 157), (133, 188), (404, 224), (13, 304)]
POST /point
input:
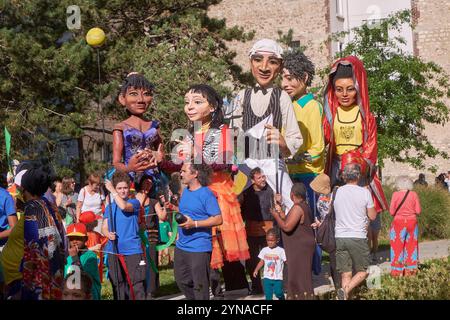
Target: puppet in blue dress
[(137, 143)]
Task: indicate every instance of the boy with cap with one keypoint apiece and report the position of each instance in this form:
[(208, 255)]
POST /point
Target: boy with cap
[(82, 257), (253, 105), (95, 240)]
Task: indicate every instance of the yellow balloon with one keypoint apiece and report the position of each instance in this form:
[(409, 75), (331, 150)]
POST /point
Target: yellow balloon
[(95, 37)]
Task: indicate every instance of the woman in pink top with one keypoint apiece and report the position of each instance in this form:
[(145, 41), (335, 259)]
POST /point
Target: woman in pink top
[(404, 233)]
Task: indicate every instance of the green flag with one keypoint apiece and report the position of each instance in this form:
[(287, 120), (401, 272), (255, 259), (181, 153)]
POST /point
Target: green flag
[(8, 147), (8, 142)]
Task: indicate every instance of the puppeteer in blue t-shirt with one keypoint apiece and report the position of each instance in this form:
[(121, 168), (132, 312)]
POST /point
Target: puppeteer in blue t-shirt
[(198, 205), (7, 209), (126, 227)]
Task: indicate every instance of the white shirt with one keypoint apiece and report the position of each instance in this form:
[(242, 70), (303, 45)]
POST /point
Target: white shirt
[(273, 262), (91, 202), (259, 103), (350, 207), (447, 181)]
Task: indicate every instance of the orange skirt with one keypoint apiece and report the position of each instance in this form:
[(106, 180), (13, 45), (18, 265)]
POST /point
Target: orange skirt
[(229, 239)]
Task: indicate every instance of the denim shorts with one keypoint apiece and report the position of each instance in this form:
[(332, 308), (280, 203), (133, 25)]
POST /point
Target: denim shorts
[(375, 225)]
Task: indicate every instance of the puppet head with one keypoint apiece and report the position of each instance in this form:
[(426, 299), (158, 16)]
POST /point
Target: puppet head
[(265, 61), (298, 73), (136, 94)]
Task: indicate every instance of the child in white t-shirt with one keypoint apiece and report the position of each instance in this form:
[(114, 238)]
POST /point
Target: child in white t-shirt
[(273, 259)]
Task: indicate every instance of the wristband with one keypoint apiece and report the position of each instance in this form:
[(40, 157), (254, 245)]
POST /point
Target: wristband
[(114, 194), (196, 225)]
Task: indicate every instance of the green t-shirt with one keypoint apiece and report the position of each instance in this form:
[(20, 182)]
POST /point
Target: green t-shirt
[(164, 229), (88, 261)]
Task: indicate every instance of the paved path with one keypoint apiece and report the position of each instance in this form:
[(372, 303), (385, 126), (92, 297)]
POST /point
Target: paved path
[(323, 284)]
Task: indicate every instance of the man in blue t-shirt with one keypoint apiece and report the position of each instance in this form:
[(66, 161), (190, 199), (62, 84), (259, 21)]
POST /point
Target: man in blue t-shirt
[(121, 227), (193, 248), (8, 217)]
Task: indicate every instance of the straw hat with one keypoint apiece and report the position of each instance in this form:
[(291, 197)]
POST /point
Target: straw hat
[(321, 184)]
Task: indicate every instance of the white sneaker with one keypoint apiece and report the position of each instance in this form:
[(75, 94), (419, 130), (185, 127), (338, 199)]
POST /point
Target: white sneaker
[(341, 295)]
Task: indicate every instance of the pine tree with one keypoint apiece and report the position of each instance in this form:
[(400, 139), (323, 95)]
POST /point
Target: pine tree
[(48, 74)]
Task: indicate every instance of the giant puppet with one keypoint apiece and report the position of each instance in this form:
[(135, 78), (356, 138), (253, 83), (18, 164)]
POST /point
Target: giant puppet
[(349, 126), (137, 140), (265, 116), (308, 162), (137, 149), (208, 140)]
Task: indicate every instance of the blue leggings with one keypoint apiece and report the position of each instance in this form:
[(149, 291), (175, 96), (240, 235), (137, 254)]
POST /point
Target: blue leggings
[(273, 286)]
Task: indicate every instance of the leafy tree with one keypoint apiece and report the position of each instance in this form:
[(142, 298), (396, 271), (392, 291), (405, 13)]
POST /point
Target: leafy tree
[(405, 91), (48, 74)]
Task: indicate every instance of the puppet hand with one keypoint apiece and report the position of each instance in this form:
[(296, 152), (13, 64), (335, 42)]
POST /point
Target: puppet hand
[(184, 148), (137, 161), (159, 154), (273, 136), (149, 163), (307, 157)]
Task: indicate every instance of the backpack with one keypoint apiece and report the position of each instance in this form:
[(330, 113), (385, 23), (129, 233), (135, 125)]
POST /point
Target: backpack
[(325, 232)]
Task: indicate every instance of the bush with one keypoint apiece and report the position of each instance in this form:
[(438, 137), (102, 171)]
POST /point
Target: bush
[(430, 283), (434, 221)]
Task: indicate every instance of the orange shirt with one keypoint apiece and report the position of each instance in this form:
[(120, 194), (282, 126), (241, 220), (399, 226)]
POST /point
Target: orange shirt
[(94, 238)]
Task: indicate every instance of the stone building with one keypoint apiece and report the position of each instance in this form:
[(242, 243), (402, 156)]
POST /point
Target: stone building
[(312, 22)]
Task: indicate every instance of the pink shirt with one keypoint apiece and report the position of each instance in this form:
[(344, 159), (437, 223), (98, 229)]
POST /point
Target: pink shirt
[(410, 208)]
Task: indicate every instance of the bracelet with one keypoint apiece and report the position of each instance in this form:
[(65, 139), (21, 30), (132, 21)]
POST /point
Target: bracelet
[(114, 194), (196, 224)]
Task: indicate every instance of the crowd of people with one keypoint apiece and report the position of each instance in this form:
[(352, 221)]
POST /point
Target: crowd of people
[(440, 181), (226, 219)]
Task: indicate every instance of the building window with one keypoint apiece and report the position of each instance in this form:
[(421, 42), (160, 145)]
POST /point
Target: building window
[(339, 9), (376, 23)]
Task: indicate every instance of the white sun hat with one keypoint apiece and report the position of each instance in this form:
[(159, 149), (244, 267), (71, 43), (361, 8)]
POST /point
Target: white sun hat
[(266, 46), (18, 177)]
